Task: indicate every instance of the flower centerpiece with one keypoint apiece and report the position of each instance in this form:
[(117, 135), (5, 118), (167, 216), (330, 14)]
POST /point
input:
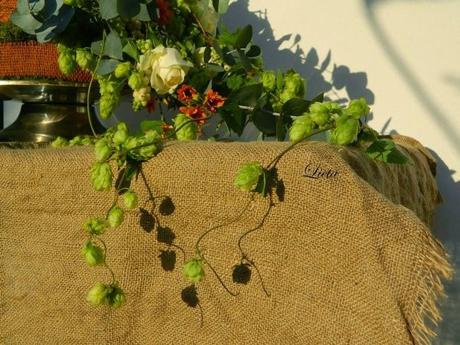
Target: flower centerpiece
[(172, 53)]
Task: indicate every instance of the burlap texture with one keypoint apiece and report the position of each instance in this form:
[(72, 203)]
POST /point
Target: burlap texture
[(34, 60), (343, 263)]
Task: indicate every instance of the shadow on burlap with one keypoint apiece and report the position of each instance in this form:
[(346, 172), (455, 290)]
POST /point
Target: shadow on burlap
[(347, 257)]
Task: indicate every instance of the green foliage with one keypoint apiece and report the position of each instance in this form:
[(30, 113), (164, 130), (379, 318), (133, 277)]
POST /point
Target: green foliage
[(386, 151)]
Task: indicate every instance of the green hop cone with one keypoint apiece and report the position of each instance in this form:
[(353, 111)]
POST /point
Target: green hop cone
[(76, 141), (86, 140), (93, 254), (193, 270), (116, 298), (144, 153), (357, 108), (346, 131), (66, 62), (107, 86), (136, 80), (130, 200), (121, 134), (107, 104), (294, 85), (269, 80), (115, 217), (102, 150), (101, 176), (95, 226), (123, 70), (248, 176), (84, 59), (60, 142), (301, 128), (321, 113), (97, 295), (185, 129)]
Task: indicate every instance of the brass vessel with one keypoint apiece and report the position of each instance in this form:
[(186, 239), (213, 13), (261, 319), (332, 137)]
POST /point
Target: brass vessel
[(50, 109)]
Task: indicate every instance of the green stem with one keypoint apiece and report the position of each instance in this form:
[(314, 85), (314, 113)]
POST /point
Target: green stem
[(289, 148), (88, 96), (218, 277), (105, 259), (233, 220), (270, 205)]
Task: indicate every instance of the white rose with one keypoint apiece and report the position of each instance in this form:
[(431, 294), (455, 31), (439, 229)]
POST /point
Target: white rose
[(165, 68)]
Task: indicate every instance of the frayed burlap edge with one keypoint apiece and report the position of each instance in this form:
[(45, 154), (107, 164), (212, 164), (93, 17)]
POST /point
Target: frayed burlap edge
[(435, 266)]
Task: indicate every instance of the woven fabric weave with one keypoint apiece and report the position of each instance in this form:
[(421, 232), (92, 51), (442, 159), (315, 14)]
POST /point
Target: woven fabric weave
[(347, 257), (34, 60)]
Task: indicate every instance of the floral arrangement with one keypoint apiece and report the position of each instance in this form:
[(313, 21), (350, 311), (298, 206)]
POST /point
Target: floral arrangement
[(171, 52)]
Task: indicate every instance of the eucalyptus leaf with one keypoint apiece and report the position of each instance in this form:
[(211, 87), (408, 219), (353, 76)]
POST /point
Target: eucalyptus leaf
[(26, 22), (215, 4), (223, 6), (128, 8), (248, 95), (131, 49), (23, 7), (254, 52), (107, 66), (144, 15), (113, 46), (245, 62), (55, 24), (96, 48), (108, 9), (234, 117), (244, 37), (295, 107), (264, 121)]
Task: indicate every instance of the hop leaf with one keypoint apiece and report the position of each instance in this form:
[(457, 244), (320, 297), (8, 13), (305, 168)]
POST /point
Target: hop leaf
[(301, 128), (115, 217), (95, 226), (193, 270), (185, 129), (130, 200), (248, 176), (101, 176), (93, 254)]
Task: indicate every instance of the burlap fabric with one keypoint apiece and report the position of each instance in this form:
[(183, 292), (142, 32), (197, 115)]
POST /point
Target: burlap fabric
[(20, 60), (343, 263)]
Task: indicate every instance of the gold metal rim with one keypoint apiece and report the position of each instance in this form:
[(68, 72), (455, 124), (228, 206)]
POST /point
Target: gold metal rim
[(51, 83)]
